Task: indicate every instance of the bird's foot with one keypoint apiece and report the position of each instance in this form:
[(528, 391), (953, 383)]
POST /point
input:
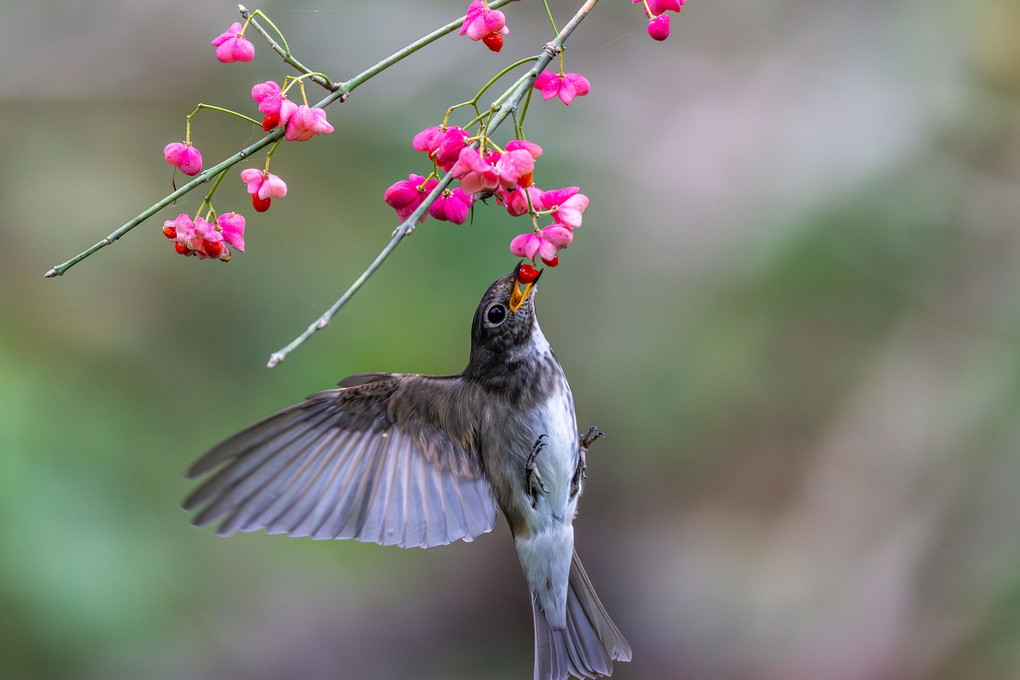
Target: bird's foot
[(534, 479), (581, 473), (589, 437)]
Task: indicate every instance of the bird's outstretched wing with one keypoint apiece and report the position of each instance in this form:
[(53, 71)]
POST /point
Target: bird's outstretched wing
[(382, 459)]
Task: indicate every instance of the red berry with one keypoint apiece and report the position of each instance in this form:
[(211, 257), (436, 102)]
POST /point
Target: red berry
[(553, 262), (526, 180), (270, 121), (527, 273), (494, 41), (169, 231), (181, 248), (260, 205), (211, 248)]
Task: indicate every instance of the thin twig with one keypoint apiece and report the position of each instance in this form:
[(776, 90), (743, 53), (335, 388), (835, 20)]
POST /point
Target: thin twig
[(283, 50), (339, 92), (200, 178), (510, 100)]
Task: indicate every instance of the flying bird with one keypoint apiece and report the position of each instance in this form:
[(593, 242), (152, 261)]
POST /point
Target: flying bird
[(419, 460)]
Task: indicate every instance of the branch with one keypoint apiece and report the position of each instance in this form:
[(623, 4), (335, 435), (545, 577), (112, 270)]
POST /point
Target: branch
[(510, 101), (200, 179), (339, 92)]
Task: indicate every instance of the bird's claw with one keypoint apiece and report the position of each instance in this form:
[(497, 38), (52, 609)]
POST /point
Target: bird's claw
[(581, 473), (589, 437), (534, 479)]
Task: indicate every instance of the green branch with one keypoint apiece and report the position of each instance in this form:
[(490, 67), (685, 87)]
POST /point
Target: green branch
[(338, 92), (510, 100), (200, 179)]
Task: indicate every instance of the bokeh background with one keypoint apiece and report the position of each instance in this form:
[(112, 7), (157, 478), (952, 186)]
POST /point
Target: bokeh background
[(794, 307)]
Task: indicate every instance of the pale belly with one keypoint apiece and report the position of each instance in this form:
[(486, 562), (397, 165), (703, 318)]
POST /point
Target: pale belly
[(556, 462), (546, 547)]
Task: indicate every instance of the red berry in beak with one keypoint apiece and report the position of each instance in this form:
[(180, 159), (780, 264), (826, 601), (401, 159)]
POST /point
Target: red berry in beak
[(527, 274)]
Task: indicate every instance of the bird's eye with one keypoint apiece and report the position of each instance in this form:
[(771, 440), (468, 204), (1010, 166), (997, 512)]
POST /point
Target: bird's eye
[(496, 314)]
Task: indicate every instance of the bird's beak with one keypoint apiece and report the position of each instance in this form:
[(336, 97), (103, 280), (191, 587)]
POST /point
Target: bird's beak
[(524, 282)]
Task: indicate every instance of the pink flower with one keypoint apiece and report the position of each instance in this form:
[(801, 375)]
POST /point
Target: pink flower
[(231, 45), (567, 205), (567, 86), (209, 242), (428, 140), (480, 22), (452, 206), (442, 145), (274, 120), (232, 227), (534, 149), (516, 165), (273, 103), (184, 156), (206, 230), (513, 167), (453, 142), (545, 244), (183, 227), (306, 122), (405, 196), (658, 27), (263, 187), (268, 96), (657, 7), (263, 184), (475, 174), (204, 239), (517, 201)]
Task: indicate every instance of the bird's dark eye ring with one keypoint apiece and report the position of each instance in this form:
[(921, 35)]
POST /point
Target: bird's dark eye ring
[(496, 314)]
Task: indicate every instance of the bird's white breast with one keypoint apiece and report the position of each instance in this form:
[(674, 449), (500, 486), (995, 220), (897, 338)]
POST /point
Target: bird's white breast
[(557, 461)]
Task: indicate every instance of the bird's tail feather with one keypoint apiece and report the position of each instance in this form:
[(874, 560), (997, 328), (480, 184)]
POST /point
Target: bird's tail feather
[(590, 642)]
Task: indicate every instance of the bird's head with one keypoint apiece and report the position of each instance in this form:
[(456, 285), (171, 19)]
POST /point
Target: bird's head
[(505, 318)]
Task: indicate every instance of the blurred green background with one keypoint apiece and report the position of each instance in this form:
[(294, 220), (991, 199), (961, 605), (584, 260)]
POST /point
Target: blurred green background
[(794, 308)]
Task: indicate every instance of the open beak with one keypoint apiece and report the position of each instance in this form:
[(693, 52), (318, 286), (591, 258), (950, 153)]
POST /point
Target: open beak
[(523, 285)]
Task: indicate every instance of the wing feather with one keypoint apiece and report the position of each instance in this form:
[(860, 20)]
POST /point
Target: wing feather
[(322, 498), (345, 489), (299, 503), (299, 491), (255, 481), (373, 460)]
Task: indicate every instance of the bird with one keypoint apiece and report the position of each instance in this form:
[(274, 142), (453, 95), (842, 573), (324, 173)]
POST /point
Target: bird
[(424, 460)]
